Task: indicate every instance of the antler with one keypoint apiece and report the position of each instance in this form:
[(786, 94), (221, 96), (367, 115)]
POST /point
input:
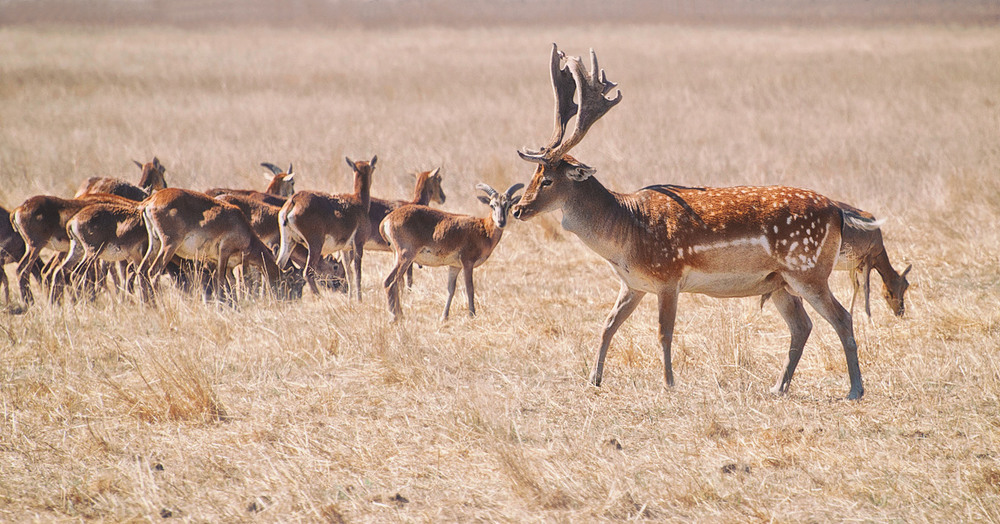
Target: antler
[(594, 103)]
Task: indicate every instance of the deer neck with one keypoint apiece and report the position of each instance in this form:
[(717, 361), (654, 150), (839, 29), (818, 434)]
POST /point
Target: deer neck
[(362, 189), (880, 263), (420, 194), (598, 216)]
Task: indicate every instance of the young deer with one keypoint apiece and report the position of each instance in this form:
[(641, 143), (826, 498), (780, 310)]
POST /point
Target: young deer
[(666, 239), (431, 237), (862, 250), (427, 189), (104, 232), (41, 221), (150, 180), (328, 223), (195, 226)]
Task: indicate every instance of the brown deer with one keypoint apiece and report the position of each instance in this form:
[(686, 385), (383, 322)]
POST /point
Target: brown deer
[(666, 239), (11, 250), (432, 237), (150, 180), (41, 221), (104, 232), (263, 217), (427, 189), (328, 223), (195, 226), (862, 250), (280, 184)]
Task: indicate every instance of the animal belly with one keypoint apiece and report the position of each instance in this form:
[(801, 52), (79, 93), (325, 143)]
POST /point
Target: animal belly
[(333, 245), (718, 284), (195, 248), (429, 257), (58, 244)]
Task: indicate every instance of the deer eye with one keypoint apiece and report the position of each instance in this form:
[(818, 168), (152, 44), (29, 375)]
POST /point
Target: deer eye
[(546, 182)]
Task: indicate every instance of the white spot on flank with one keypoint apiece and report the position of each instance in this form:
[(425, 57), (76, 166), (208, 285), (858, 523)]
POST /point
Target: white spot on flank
[(789, 221), (775, 229), (793, 246)]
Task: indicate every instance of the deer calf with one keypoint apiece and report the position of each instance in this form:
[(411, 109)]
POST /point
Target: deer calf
[(431, 237)]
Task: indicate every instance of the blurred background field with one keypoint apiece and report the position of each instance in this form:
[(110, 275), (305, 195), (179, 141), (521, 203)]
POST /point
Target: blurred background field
[(320, 410)]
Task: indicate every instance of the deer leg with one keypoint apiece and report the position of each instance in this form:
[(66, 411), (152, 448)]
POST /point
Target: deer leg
[(452, 281), (4, 283), (223, 291), (791, 309), (357, 253), (868, 289), (314, 246), (409, 277), (822, 300), (628, 300), (403, 261), (668, 313), (470, 290), (24, 273)]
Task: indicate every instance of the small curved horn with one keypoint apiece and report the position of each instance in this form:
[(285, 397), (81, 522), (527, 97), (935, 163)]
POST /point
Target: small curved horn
[(434, 173), (289, 172), (138, 164), (907, 270), (274, 169), (514, 189), (487, 189)]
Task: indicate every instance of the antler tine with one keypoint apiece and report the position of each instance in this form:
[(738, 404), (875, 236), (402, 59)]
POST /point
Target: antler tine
[(489, 190), (563, 90), (274, 169)]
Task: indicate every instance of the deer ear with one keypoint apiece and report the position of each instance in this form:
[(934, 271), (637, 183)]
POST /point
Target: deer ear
[(349, 161), (907, 270), (579, 172), (290, 177), (372, 163), (138, 164), (484, 200)]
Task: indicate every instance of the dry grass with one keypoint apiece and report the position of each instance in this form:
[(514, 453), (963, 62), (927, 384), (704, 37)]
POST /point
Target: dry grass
[(322, 411)]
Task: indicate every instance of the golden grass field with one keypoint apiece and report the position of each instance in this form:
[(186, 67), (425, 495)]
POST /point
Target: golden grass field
[(320, 410)]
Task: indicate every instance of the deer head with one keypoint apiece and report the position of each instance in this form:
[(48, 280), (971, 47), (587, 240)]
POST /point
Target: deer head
[(500, 203), (556, 168)]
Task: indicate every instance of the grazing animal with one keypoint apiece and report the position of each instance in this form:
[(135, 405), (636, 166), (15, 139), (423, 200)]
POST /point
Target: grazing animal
[(328, 223), (427, 189), (195, 226), (667, 239), (41, 221), (431, 237), (862, 250), (150, 180)]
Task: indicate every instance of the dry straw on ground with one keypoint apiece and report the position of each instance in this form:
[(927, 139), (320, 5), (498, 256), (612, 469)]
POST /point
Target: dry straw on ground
[(320, 410)]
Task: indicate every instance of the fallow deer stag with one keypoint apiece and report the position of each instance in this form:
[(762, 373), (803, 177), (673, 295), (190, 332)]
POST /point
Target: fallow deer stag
[(279, 184), (862, 250), (41, 221), (150, 180), (427, 189), (431, 237), (195, 226), (666, 239), (328, 223)]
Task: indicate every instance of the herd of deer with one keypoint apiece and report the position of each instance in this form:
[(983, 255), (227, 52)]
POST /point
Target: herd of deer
[(774, 242)]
